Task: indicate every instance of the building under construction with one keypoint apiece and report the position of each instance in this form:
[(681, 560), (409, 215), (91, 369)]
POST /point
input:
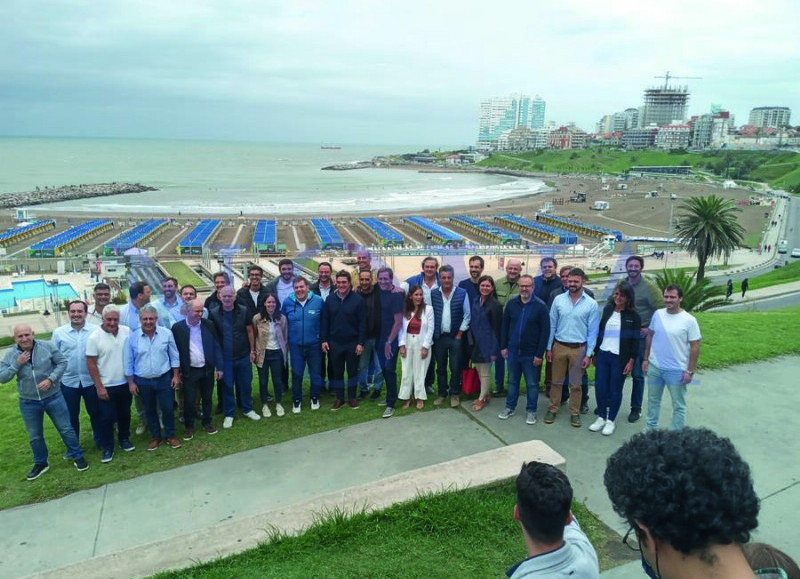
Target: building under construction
[(664, 104)]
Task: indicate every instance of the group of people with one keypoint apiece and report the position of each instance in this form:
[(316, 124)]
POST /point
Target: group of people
[(349, 340), (688, 500)]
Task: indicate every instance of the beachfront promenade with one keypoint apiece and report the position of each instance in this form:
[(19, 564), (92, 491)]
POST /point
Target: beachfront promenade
[(170, 519)]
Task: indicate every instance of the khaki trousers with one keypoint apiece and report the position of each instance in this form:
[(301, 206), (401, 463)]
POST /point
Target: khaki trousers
[(566, 358)]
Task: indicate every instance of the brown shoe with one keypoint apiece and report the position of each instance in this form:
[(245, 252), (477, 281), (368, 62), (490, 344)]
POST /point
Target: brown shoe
[(210, 429), (353, 403), (438, 401), (173, 442), (188, 434), (455, 401), (477, 405), (154, 444)]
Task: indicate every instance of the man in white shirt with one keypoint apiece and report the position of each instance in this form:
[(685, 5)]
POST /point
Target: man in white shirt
[(171, 301), (282, 286), (102, 297), (670, 360)]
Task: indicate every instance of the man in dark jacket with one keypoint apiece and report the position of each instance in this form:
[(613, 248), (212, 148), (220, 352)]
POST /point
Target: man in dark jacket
[(235, 329), (368, 364), (523, 341), (255, 293), (200, 355), (343, 333)]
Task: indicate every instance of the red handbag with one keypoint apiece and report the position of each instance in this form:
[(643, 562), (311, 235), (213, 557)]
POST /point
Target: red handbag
[(470, 381)]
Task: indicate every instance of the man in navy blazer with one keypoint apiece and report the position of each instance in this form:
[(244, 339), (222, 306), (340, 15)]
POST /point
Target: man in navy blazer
[(200, 354)]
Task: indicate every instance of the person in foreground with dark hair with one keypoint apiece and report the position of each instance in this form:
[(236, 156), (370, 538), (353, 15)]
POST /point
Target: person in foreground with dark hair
[(556, 544), (689, 500)]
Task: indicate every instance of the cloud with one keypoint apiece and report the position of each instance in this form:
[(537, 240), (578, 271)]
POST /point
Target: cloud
[(310, 68)]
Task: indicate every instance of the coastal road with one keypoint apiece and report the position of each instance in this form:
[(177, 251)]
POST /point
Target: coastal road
[(762, 305)]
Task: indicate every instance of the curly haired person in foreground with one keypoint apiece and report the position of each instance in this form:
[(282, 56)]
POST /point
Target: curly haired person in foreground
[(689, 499)]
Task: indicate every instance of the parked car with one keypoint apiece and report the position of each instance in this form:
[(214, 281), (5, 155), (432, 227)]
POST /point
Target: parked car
[(783, 246), (796, 252)]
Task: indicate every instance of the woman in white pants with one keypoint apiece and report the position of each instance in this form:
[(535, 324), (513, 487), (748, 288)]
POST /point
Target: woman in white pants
[(415, 338)]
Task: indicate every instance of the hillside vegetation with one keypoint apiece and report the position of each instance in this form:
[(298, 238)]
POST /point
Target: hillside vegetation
[(781, 169)]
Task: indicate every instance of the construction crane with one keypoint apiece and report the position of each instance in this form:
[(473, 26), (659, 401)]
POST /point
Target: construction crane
[(668, 76)]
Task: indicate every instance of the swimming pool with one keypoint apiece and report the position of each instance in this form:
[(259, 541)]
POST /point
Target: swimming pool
[(35, 289)]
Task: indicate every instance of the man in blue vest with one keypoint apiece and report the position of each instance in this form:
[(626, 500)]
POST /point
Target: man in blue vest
[(451, 317), (303, 311)]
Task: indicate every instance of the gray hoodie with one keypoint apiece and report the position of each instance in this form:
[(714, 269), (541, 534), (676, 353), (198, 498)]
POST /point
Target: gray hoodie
[(46, 362)]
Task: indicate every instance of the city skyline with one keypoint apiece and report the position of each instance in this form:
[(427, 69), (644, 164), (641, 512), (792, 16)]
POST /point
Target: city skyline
[(362, 73)]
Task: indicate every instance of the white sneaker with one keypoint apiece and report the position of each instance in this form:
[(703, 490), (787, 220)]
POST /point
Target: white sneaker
[(265, 411), (531, 418), (228, 422), (506, 414), (296, 407), (253, 415), (598, 425), (279, 410), (315, 404), (609, 428)]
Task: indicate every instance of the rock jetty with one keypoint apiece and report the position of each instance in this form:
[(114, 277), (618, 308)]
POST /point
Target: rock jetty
[(68, 193), (349, 166)]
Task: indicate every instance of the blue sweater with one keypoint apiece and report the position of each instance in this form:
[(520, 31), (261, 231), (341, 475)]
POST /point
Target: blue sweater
[(526, 328), (304, 321)]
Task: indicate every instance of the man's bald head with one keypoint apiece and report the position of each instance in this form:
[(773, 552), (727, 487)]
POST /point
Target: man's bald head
[(23, 336)]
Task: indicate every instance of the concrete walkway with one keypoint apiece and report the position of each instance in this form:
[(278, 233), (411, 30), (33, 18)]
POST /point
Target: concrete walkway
[(166, 506)]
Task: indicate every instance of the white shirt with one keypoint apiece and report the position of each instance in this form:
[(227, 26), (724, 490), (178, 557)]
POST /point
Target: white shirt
[(669, 348), (254, 295), (284, 289), (612, 333), (110, 351)]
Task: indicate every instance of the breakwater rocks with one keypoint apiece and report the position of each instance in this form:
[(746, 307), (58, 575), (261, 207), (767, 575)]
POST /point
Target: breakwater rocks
[(349, 166), (68, 193)]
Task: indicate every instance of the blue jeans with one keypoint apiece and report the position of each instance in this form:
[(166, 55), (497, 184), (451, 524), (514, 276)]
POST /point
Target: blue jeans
[(72, 396), (300, 357), (273, 363), (447, 348), (369, 365), (657, 379), (389, 369), (33, 412), (608, 382), (519, 366), (637, 378), (240, 373), (155, 393), (117, 409), (499, 373)]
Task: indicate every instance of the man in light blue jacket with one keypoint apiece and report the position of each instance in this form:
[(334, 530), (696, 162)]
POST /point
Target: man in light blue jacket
[(38, 367)]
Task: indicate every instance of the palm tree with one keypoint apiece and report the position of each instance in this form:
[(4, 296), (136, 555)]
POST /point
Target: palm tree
[(709, 228), (698, 296)]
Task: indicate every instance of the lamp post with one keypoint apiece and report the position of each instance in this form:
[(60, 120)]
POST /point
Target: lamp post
[(57, 306), (672, 198)]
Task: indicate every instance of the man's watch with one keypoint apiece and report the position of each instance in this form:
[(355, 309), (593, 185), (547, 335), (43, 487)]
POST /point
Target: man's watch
[(689, 372)]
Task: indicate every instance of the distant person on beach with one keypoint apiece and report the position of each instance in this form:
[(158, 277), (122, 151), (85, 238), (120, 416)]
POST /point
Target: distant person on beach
[(671, 353), (283, 285), (221, 279), (343, 331), (171, 301), (647, 299), (38, 367), (745, 286), (102, 297), (451, 315), (105, 355), (323, 287), (556, 545), (235, 331), (303, 311), (76, 383), (505, 288), (253, 295), (689, 500)]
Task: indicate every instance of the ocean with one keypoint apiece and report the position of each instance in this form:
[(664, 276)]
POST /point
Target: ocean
[(226, 178)]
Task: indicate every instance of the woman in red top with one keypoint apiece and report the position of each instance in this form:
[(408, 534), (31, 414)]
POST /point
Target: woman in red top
[(415, 338)]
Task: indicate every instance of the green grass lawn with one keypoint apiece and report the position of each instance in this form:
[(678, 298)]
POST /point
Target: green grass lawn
[(788, 273), (183, 273), (465, 534)]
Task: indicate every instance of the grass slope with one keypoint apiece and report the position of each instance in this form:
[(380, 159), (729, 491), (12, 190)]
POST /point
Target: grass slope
[(183, 273), (466, 534)]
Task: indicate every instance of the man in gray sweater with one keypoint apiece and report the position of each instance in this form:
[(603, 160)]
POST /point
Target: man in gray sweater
[(38, 367)]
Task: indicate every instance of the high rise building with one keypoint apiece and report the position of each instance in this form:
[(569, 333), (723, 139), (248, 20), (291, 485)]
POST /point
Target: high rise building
[(500, 116), (775, 117), (631, 118), (663, 105)]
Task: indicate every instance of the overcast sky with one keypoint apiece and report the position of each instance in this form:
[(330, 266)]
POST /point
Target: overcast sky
[(375, 72)]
